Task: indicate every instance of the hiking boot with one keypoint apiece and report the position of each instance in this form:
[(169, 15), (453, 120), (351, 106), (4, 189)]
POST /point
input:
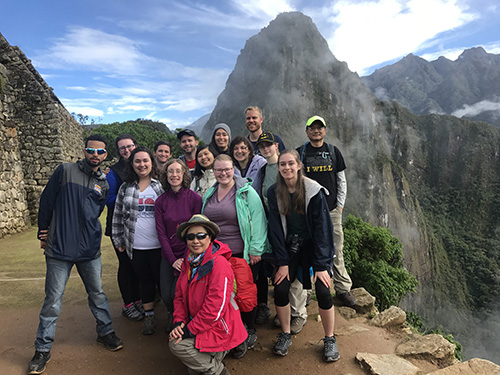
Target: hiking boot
[(225, 371), (38, 362), (139, 307), (131, 313), (276, 321), (296, 324), (240, 350), (347, 299), (284, 341), (263, 313), (331, 353), (149, 325), (252, 337), (110, 341)]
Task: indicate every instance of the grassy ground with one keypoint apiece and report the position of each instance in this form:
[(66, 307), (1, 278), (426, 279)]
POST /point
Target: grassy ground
[(22, 272)]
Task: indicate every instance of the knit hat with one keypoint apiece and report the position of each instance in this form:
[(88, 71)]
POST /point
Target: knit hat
[(198, 219), (224, 127)]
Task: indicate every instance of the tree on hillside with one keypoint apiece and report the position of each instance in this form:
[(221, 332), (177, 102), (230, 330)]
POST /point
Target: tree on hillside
[(146, 132), (374, 259)]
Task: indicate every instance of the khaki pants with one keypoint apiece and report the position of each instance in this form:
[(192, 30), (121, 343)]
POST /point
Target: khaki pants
[(196, 361), (341, 279), (298, 297)]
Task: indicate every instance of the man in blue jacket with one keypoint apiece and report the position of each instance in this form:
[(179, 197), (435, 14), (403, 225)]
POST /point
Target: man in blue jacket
[(70, 233)]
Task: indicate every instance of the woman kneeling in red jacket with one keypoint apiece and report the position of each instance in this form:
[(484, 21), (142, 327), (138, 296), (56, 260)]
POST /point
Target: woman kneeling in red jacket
[(207, 323)]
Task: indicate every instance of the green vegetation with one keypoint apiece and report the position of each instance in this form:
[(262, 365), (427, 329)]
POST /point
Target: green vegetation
[(374, 259), (146, 132), (471, 241)]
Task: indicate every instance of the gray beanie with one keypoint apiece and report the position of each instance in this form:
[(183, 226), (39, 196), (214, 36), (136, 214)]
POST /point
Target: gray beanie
[(223, 126)]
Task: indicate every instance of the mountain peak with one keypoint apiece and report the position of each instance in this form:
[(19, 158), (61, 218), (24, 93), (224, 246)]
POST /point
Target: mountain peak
[(473, 54), (286, 65)]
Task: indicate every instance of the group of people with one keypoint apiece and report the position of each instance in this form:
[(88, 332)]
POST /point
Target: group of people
[(206, 231)]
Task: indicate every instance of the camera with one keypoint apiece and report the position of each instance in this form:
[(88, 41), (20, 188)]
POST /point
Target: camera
[(294, 244)]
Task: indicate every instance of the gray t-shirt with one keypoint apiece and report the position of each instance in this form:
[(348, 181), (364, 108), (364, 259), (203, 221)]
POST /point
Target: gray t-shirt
[(269, 180), (223, 213)]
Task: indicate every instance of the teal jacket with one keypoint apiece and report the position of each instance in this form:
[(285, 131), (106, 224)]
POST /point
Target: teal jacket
[(251, 217)]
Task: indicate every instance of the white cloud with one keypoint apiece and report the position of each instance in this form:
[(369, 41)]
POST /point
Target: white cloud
[(95, 50), (372, 32), (177, 16), (477, 108), (263, 9)]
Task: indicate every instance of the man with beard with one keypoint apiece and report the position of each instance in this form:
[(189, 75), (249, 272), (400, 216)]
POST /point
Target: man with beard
[(70, 233), (189, 144), (253, 121)]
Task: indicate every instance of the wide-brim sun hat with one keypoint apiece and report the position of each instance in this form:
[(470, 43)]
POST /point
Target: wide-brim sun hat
[(198, 219)]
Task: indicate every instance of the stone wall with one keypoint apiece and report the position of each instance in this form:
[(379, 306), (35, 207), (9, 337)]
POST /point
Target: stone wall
[(36, 134)]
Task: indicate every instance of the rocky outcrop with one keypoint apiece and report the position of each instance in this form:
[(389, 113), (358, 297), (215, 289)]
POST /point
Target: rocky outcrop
[(475, 366), (434, 348), (392, 317), (386, 364), (36, 134)]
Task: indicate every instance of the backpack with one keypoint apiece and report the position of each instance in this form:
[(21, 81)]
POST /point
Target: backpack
[(331, 148), (245, 289)]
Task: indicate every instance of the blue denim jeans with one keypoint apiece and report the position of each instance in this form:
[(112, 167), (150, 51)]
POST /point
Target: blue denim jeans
[(57, 276)]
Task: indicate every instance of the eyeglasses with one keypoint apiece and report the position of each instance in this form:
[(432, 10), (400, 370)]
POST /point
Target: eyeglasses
[(199, 236), (127, 147), (100, 151), (223, 170)]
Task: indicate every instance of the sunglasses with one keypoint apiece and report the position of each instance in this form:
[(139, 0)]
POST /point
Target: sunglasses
[(100, 151), (199, 236)]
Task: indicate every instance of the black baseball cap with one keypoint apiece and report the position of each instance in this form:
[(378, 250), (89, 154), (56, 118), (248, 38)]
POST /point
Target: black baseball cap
[(266, 137), (186, 132)]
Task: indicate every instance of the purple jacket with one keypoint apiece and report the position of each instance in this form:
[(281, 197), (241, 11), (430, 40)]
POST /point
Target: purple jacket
[(172, 209)]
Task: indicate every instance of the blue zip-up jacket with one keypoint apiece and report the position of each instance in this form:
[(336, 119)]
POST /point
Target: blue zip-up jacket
[(70, 206)]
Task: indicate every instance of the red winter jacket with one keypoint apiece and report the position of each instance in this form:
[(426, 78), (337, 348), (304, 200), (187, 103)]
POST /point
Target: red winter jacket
[(207, 304)]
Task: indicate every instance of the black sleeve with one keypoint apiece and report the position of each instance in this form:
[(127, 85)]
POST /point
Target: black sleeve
[(322, 232)]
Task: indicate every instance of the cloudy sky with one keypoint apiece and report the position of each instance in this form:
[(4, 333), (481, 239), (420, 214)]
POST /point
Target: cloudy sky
[(118, 60)]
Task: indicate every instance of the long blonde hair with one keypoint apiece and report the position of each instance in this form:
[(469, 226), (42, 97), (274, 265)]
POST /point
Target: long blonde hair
[(282, 194)]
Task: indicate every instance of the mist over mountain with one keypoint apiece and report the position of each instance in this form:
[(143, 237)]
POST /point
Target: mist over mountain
[(434, 180), (198, 125), (468, 87)]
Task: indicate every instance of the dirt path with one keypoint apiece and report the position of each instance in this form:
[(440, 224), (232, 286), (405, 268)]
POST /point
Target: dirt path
[(76, 352)]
